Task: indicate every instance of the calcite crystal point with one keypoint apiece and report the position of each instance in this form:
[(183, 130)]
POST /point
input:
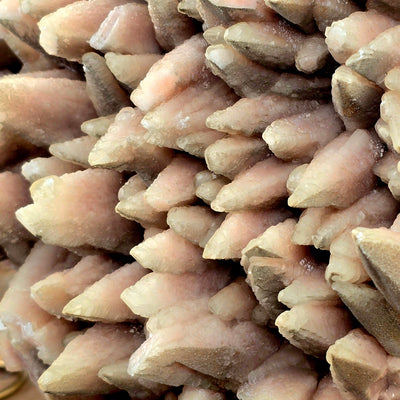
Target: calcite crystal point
[(57, 215)]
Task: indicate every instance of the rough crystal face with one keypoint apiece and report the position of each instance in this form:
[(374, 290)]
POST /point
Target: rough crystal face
[(77, 211)]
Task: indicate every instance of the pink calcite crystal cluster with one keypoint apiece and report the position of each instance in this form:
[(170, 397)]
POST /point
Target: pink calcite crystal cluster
[(199, 198)]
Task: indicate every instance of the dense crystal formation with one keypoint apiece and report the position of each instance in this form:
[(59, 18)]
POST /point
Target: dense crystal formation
[(199, 198)]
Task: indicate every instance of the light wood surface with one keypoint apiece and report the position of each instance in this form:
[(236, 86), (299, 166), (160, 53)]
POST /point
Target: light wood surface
[(27, 392)]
